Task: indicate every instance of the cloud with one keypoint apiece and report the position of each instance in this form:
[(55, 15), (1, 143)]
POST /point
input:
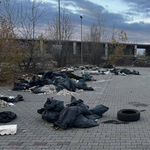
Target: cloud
[(128, 20)]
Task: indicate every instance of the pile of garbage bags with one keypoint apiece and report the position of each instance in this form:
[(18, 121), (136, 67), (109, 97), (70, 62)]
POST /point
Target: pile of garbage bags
[(59, 80), (76, 114)]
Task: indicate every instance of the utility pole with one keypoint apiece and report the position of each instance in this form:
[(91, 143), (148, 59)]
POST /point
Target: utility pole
[(59, 23), (81, 42)]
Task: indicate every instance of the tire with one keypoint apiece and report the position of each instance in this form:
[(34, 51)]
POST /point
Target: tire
[(129, 115)]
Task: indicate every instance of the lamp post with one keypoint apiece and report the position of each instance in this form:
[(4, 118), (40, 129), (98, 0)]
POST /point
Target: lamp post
[(59, 22), (81, 42)]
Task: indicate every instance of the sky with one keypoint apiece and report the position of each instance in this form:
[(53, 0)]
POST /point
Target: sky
[(133, 16)]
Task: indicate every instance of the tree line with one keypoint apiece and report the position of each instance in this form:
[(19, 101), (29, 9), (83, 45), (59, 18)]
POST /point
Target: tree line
[(24, 20)]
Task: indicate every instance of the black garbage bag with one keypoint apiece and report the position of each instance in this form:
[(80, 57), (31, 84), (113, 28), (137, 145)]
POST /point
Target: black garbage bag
[(23, 80), (99, 110), (108, 66), (7, 116), (67, 117), (136, 72), (93, 116), (71, 75), (82, 85), (48, 74), (37, 81), (51, 74), (16, 99), (19, 86), (50, 116), (84, 108), (72, 85), (64, 83), (115, 71), (51, 110), (33, 81), (126, 71), (54, 105), (83, 122)]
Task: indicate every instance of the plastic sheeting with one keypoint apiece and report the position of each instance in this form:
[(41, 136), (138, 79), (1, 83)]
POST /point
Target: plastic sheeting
[(76, 114), (12, 99), (59, 80), (7, 116)]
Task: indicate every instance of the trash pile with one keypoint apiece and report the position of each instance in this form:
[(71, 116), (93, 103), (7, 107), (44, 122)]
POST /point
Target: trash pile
[(8, 116), (109, 69), (76, 114), (57, 80)]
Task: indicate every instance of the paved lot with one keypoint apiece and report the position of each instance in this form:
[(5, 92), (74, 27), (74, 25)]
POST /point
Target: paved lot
[(116, 92)]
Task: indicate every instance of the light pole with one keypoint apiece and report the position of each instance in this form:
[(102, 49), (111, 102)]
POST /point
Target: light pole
[(81, 42), (59, 22)]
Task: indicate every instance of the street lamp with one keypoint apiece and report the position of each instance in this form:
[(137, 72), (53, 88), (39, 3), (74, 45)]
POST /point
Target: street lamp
[(59, 22), (81, 42)]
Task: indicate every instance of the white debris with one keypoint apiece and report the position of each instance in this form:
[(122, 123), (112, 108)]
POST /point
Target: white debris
[(49, 89), (8, 129), (3, 103)]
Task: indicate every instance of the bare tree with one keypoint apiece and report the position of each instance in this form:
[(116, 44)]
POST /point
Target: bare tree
[(29, 17), (66, 33), (10, 54), (98, 33), (66, 27)]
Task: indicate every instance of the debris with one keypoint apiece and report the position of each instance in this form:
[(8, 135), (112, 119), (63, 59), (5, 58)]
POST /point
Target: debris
[(115, 122), (76, 114), (59, 80), (24, 131), (8, 129), (7, 116), (3, 103), (12, 98)]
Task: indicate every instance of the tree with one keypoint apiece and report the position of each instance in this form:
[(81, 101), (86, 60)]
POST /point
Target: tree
[(98, 33), (27, 17), (28, 25), (10, 53), (66, 33), (117, 47)]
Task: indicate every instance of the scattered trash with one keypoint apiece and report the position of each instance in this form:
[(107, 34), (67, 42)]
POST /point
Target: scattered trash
[(7, 116), (3, 103), (115, 122), (76, 114), (12, 98), (52, 81), (24, 131), (8, 129)]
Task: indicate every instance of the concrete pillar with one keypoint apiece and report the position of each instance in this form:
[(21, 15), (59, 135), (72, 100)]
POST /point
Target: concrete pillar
[(74, 48), (135, 50), (106, 51)]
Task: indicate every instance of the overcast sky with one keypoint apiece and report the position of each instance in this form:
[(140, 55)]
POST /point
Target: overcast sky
[(133, 16)]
